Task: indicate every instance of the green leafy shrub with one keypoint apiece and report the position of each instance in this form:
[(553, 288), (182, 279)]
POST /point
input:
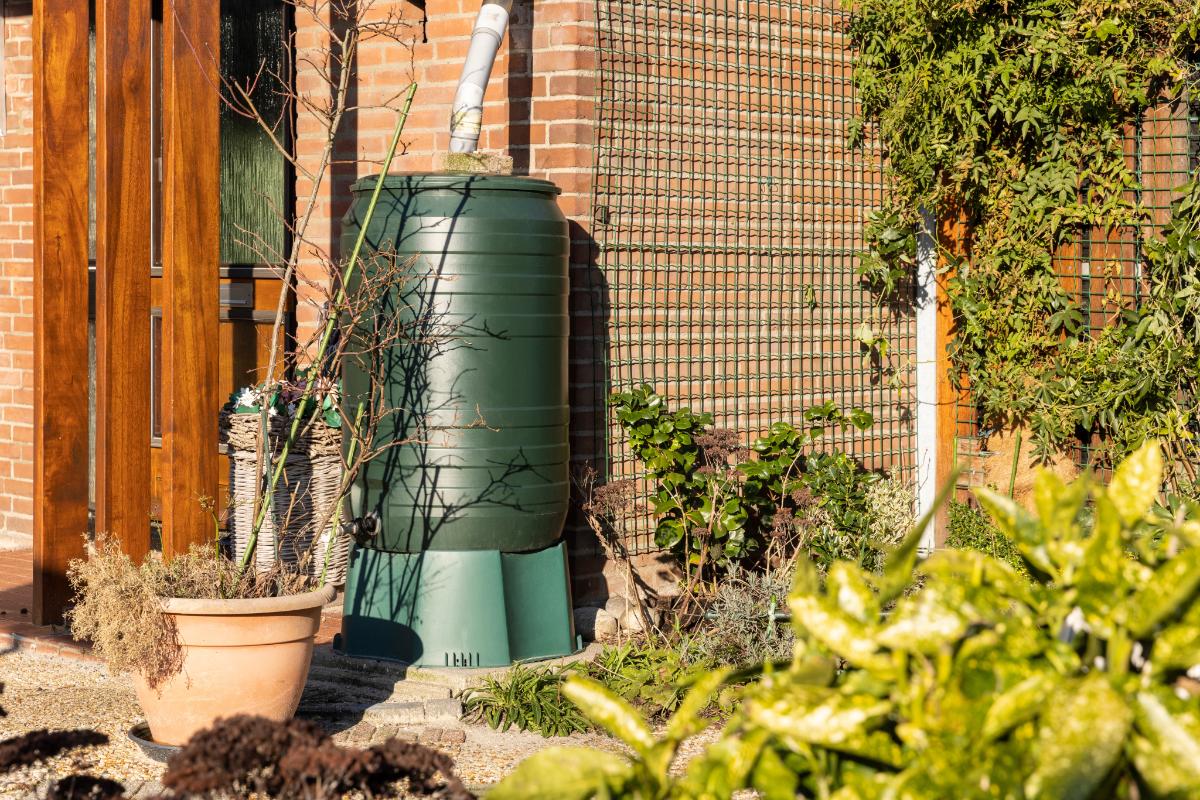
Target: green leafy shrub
[(980, 684), (969, 528), (653, 677), (1016, 118), (717, 502), (527, 698)]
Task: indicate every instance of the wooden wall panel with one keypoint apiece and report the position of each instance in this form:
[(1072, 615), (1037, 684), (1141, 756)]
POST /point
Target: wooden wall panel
[(954, 237), (60, 185), (191, 247), (123, 255)]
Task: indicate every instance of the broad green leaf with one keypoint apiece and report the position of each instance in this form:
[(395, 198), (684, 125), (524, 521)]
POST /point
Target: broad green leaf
[(686, 721), (807, 581), (726, 765), (610, 712), (1019, 525), (1018, 705), (565, 773), (816, 616), (772, 778), (1173, 584), (924, 625), (1136, 482), (1081, 736), (898, 572), (1058, 503), (1171, 737), (1178, 646), (1168, 757), (828, 719), (846, 584), (1104, 550)]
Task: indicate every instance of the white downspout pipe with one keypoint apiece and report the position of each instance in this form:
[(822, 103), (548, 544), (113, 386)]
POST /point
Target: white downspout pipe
[(466, 118)]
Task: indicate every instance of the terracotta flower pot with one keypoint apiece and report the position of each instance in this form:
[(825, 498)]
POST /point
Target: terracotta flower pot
[(239, 657)]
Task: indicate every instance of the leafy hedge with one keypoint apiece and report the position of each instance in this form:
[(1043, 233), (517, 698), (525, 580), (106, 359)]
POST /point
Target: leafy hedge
[(1070, 685)]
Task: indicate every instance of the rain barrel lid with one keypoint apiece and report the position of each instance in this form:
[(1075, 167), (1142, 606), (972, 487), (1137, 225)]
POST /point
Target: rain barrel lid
[(460, 181)]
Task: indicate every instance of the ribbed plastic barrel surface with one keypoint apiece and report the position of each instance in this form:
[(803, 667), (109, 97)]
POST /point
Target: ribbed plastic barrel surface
[(478, 387)]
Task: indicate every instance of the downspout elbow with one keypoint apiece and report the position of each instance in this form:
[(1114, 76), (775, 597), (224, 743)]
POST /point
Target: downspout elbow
[(466, 117)]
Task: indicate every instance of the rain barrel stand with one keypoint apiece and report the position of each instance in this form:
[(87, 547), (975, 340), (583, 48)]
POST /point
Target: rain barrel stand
[(466, 566), (464, 608)]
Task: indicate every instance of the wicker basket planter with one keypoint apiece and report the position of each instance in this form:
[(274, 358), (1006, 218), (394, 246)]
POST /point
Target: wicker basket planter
[(304, 496)]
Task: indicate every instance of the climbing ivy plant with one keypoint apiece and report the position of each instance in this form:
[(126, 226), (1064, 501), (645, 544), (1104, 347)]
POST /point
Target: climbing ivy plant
[(1012, 117)]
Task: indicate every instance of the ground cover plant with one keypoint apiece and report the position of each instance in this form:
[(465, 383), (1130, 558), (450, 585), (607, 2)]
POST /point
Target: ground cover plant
[(1016, 119), (954, 677), (653, 675)]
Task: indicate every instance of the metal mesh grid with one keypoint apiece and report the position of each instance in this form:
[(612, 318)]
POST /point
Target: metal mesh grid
[(1103, 269), (728, 215)]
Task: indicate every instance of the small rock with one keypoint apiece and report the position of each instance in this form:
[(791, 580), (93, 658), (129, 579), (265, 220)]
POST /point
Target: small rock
[(449, 709), (631, 621), (430, 736), (454, 736), (617, 606), (594, 624), (360, 733), (396, 713)]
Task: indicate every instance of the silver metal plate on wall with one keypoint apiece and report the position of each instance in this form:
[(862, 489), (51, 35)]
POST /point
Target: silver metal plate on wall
[(237, 295)]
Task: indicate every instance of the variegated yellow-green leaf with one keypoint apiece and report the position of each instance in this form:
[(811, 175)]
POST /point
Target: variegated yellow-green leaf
[(610, 712), (899, 569), (1018, 525), (565, 773), (1019, 704), (806, 580), (1178, 646), (847, 585), (1104, 550), (1173, 584), (771, 778), (1136, 482), (1167, 780), (813, 669), (1081, 736), (1058, 503), (725, 765), (1171, 763), (817, 617), (838, 721), (686, 721), (924, 624)]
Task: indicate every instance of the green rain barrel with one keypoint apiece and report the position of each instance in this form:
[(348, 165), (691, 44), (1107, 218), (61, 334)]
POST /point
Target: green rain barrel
[(464, 565)]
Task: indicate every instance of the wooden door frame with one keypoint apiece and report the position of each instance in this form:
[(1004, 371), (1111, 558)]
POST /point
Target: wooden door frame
[(190, 254)]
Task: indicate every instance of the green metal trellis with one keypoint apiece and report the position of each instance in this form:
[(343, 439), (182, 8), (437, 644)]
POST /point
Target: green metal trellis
[(728, 216)]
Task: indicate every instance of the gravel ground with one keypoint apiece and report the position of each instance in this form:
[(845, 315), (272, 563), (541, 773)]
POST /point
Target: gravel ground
[(44, 692)]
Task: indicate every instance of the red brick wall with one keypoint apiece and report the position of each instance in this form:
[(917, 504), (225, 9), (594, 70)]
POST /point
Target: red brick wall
[(539, 110), (16, 275)]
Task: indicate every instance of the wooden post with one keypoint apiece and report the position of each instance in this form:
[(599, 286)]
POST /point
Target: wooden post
[(191, 271), (953, 234), (60, 293), (123, 180)]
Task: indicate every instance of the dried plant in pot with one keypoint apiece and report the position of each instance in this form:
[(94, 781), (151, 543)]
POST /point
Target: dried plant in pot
[(202, 638)]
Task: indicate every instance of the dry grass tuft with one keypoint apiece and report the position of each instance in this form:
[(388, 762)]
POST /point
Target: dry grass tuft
[(118, 604)]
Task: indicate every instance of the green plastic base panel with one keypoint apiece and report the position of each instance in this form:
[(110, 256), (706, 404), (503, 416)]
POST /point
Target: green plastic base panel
[(445, 608)]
